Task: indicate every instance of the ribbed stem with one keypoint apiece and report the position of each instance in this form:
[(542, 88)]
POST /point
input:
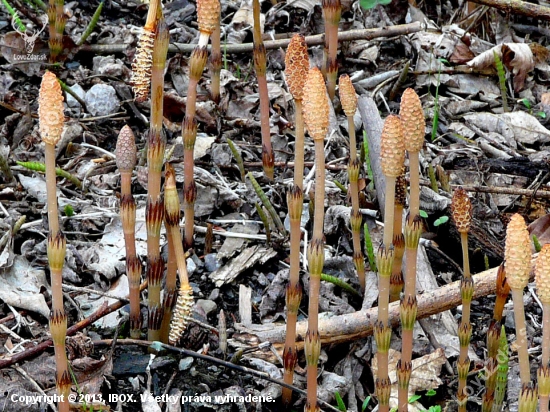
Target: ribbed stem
[(197, 63), (521, 336), (299, 146), (352, 139), (389, 211), (51, 188), (260, 63), (465, 326), (170, 288), (316, 259), (414, 166), (332, 10), (356, 220), (545, 334), (216, 64)]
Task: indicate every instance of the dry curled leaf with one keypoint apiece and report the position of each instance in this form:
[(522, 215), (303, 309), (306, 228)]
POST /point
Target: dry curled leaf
[(517, 57)]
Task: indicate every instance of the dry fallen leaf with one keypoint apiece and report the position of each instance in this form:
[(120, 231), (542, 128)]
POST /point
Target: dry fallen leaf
[(425, 375), (517, 57)]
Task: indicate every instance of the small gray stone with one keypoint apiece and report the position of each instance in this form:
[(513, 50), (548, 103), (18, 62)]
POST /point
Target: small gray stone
[(101, 100), (207, 305), (191, 266), (211, 262), (215, 294), (185, 363), (79, 91)]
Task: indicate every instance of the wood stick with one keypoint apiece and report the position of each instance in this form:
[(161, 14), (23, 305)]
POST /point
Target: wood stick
[(518, 7), (351, 326), (316, 40)]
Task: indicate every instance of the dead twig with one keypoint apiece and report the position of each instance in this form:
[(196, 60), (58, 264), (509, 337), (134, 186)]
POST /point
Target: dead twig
[(316, 40)]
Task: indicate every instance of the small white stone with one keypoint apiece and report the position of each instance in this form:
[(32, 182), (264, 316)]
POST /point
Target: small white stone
[(79, 91), (101, 100)]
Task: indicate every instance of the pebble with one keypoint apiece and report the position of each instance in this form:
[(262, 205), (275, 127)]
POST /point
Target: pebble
[(191, 266), (207, 305), (185, 363), (211, 262), (80, 92), (215, 294), (101, 100)]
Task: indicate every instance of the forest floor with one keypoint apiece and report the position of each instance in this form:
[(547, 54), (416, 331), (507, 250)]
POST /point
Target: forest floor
[(499, 156)]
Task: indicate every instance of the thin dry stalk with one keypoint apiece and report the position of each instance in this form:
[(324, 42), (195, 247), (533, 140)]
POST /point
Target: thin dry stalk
[(392, 155), (349, 104), (518, 265), (126, 157), (51, 120), (208, 12), (155, 159), (316, 116), (297, 66), (260, 64)]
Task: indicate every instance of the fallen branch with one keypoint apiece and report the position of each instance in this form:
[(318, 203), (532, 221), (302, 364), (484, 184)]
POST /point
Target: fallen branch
[(104, 310), (316, 40), (518, 7), (352, 326)]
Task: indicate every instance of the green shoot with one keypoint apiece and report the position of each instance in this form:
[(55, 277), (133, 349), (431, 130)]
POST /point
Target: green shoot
[(502, 82), (260, 193), (68, 211), (365, 404), (436, 101), (341, 186), (265, 221), (340, 402), (238, 158), (369, 4), (440, 221), (369, 249), (41, 167), (423, 214), (92, 24), (13, 14), (340, 283), (367, 160)]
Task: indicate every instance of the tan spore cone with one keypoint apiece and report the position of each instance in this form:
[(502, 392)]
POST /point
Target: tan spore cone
[(542, 274), (348, 97), (296, 65), (50, 109), (316, 109), (392, 147), (461, 208), (208, 13), (412, 116), (517, 252)]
